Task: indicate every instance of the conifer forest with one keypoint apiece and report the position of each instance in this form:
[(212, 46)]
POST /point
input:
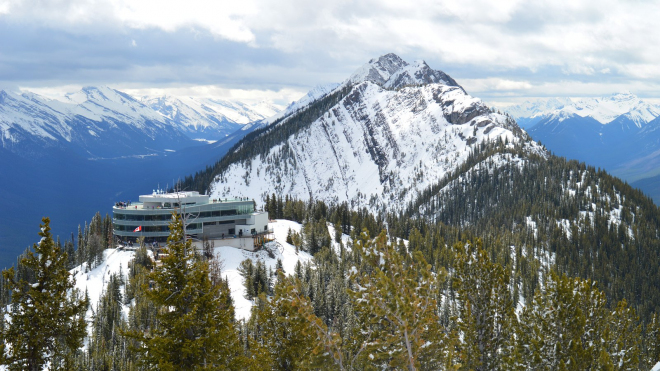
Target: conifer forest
[(401, 293)]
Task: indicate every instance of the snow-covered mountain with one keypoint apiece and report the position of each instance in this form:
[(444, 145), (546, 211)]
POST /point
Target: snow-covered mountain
[(99, 145), (104, 122), (530, 112), (209, 118), (389, 131), (604, 110), (619, 133), (607, 132), (94, 122)]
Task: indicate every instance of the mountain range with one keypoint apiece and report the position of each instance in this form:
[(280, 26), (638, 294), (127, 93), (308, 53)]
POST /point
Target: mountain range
[(401, 147), (101, 122), (71, 157), (394, 138), (618, 133), (407, 144)]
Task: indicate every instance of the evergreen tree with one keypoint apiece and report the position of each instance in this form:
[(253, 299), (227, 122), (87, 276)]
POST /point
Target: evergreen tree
[(486, 318), (652, 338), (624, 340), (394, 297), (107, 348), (195, 318), (47, 320), (566, 325), (283, 334)]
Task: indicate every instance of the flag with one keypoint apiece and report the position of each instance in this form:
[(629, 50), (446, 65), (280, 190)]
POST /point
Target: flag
[(138, 229)]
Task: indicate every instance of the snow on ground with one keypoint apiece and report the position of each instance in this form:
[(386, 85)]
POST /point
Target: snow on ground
[(532, 225), (232, 257), (96, 280), (656, 367), (345, 239)]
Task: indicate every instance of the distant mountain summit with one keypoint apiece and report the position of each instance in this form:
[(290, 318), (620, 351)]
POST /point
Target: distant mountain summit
[(605, 110), (101, 122), (619, 133), (392, 72), (209, 118)]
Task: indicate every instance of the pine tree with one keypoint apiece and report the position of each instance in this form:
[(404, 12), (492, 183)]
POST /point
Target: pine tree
[(486, 310), (283, 331), (565, 324), (623, 343), (107, 348), (652, 355), (81, 254), (289, 240), (394, 297), (47, 320), (195, 318)]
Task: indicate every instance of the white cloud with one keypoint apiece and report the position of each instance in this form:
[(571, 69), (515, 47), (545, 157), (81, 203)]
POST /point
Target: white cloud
[(493, 84), (502, 47), (4, 7), (222, 18)]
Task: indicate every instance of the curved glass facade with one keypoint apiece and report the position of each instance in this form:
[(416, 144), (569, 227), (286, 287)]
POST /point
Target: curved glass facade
[(217, 218)]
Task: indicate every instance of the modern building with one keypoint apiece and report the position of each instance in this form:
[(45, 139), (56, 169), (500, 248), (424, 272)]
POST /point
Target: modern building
[(205, 217)]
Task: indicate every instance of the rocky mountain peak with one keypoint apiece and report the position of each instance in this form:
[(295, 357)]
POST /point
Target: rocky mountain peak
[(378, 70), (392, 72)]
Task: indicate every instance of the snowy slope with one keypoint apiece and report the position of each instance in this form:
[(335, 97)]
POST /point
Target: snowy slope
[(604, 109), (388, 139), (115, 261), (95, 281), (103, 122), (313, 95), (232, 257), (209, 118)]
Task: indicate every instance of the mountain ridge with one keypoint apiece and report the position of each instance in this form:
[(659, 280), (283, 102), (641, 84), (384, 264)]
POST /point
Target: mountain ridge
[(377, 130), (618, 133), (95, 121)]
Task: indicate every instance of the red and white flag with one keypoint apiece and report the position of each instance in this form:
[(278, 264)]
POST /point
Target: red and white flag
[(138, 229)]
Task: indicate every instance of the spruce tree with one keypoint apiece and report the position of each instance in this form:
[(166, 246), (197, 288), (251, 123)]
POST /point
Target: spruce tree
[(47, 319), (652, 342), (624, 342), (486, 318), (394, 297), (567, 325), (285, 333), (195, 318)]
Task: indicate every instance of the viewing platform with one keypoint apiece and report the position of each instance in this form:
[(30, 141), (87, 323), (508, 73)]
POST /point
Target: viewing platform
[(204, 217)]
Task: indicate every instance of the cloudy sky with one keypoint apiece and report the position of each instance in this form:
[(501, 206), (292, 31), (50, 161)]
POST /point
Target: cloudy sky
[(500, 51)]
